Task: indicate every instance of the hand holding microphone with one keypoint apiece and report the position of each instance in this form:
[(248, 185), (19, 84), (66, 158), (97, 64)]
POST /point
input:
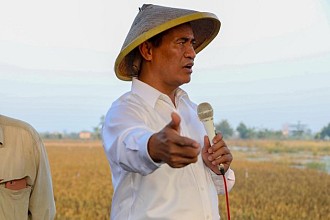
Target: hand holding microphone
[(205, 114), (218, 153)]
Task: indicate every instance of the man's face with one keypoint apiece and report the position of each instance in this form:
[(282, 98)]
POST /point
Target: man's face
[(174, 58)]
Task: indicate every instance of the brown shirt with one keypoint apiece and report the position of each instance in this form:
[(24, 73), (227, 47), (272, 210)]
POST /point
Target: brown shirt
[(26, 190)]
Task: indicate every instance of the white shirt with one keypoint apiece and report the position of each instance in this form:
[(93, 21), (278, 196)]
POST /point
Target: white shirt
[(144, 189)]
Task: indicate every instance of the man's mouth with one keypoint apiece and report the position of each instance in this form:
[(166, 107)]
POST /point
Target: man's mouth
[(189, 65)]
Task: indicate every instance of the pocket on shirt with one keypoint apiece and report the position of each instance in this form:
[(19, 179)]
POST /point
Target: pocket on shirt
[(14, 204)]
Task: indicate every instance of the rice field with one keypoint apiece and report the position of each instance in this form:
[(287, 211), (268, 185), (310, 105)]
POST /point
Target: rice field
[(81, 180), (271, 182)]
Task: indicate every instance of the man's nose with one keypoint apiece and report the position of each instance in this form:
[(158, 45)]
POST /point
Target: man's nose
[(190, 52)]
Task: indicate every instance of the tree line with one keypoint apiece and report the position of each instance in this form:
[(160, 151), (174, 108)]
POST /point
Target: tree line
[(296, 132), (242, 131)]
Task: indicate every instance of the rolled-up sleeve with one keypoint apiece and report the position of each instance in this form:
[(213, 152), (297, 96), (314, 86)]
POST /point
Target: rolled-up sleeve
[(218, 181)]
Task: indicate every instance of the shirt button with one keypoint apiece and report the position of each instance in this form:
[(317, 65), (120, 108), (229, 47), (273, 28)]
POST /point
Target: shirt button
[(207, 217)]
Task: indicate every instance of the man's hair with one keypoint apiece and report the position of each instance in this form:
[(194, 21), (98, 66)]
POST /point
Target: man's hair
[(157, 39), (156, 42)]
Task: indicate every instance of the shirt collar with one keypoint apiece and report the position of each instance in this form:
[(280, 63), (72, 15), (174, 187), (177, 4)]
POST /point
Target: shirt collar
[(149, 94)]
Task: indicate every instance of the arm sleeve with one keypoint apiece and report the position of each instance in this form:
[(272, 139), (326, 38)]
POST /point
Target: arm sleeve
[(42, 204), (125, 140), (218, 181)]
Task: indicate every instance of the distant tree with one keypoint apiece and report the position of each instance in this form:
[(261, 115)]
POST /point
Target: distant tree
[(225, 128), (98, 128), (244, 132), (317, 136), (58, 135), (269, 134), (263, 134), (325, 132)]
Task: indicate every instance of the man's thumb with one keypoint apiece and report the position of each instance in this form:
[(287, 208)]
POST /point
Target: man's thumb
[(175, 122)]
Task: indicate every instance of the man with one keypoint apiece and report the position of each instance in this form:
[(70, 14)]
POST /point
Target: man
[(25, 180), (162, 164)]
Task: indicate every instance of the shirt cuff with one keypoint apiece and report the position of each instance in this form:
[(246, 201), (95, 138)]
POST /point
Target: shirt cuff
[(218, 181), (150, 164)]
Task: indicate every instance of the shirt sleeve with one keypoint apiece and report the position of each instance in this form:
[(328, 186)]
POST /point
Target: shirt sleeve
[(218, 181), (125, 137), (42, 204)]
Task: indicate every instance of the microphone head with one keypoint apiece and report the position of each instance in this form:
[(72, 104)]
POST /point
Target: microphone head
[(204, 111)]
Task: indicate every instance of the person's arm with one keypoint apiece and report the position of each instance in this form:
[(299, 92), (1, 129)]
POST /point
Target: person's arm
[(135, 147), (42, 204), (125, 138)]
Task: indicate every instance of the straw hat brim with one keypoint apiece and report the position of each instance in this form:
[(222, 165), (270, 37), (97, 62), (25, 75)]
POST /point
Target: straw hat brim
[(205, 27)]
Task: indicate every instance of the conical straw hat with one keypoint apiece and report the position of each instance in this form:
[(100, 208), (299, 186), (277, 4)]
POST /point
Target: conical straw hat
[(154, 19)]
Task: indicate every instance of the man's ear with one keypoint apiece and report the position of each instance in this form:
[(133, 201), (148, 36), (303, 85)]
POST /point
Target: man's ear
[(145, 50)]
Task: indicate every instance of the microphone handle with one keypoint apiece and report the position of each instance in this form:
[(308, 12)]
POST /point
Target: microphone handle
[(210, 129)]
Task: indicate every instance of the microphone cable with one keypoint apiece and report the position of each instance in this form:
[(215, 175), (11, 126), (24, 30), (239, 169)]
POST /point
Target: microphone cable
[(222, 171)]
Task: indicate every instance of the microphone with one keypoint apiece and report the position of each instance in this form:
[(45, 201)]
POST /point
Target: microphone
[(205, 114)]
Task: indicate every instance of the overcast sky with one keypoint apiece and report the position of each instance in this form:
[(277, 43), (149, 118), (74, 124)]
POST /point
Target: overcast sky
[(269, 65)]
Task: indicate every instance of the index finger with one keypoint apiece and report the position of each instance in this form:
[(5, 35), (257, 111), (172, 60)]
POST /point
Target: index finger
[(218, 137), (186, 142)]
